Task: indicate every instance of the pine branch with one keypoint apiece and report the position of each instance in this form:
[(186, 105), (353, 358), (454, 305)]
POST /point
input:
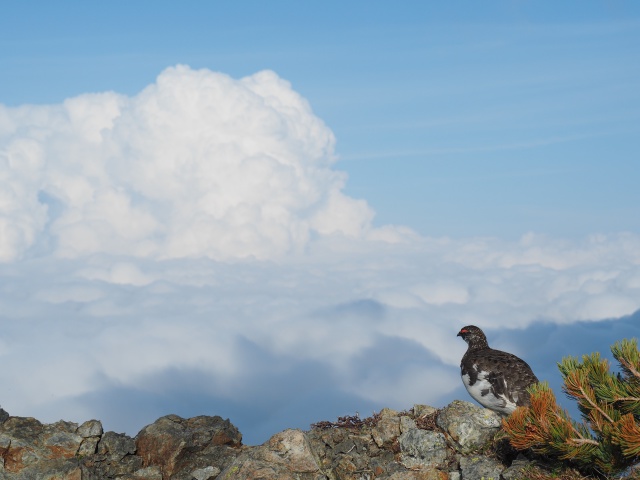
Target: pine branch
[(628, 436), (582, 441), (627, 354), (626, 399), (609, 439)]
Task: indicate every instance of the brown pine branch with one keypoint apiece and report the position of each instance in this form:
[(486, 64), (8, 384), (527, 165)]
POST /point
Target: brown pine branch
[(628, 435), (595, 406), (583, 441), (626, 399), (629, 367), (609, 440)]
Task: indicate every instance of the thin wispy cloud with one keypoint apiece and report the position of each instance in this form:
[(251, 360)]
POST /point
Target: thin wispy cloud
[(527, 145)]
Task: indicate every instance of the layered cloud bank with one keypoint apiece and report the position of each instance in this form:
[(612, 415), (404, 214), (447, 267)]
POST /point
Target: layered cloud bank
[(352, 326), (197, 164), (191, 250)]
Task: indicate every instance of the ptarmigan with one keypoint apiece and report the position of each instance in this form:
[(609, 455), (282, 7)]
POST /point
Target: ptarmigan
[(496, 380)]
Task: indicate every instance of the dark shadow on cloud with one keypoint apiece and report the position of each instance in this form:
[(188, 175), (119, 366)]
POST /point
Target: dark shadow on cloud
[(271, 394), (391, 356)]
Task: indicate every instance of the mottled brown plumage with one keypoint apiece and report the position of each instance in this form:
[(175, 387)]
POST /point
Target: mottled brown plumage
[(497, 380)]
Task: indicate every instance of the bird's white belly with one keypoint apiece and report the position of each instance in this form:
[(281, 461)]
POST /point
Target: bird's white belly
[(482, 393)]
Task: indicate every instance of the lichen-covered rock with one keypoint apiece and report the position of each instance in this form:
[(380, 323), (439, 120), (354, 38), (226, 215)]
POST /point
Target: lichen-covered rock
[(285, 455), (116, 445), (90, 428), (470, 427), (90, 431), (354, 453), (207, 473), (61, 440), (291, 448), (387, 429), (55, 469), (422, 448), (146, 473), (476, 467), (114, 458), (423, 410), (20, 443), (179, 446), (517, 468), (30, 449), (423, 474), (4, 415)]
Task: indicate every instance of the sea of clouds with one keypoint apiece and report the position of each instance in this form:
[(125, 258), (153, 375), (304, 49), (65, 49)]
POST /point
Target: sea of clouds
[(191, 250)]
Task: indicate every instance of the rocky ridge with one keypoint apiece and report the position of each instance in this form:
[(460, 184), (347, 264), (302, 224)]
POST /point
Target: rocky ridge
[(452, 443)]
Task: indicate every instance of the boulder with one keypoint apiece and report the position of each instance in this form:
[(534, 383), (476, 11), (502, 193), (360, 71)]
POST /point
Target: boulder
[(179, 446), (30, 450), (422, 448), (476, 467), (4, 415), (286, 455), (387, 428), (470, 427), (90, 431)]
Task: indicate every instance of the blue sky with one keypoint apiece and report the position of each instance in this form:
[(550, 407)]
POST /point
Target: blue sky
[(207, 204), (452, 119)]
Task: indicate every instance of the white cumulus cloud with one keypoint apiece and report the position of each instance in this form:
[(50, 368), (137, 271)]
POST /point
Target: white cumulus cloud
[(197, 164)]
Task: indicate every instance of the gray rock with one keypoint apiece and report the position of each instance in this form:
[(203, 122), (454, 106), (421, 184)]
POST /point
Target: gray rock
[(423, 410), (286, 455), (207, 473), (54, 469), (423, 448), (147, 473), (89, 446), (90, 428), (61, 439), (387, 428), (291, 449), (179, 446), (422, 474), (477, 467), (116, 445), (346, 454), (32, 450), (515, 471), (20, 440), (4, 416), (470, 427), (407, 424), (90, 431), (114, 457)]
